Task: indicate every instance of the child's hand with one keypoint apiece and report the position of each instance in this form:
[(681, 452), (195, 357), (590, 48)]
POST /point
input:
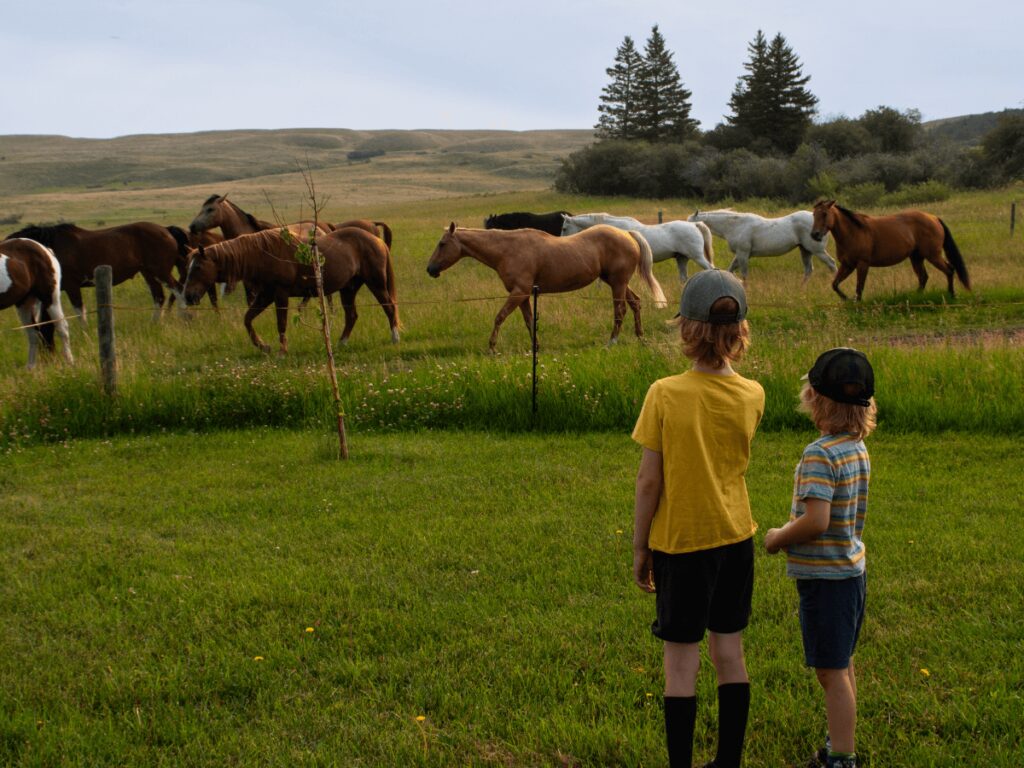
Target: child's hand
[(770, 541), (643, 569)]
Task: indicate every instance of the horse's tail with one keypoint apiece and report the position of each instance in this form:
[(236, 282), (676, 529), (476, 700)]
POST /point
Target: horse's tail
[(647, 269), (46, 328), (954, 256), (709, 248), (184, 246), (385, 235), (390, 277)]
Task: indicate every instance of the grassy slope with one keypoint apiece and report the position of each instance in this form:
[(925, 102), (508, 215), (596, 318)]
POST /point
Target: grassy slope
[(479, 582)]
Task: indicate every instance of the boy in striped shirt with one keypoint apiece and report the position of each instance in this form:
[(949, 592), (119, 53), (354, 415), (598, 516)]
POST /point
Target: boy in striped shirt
[(825, 553)]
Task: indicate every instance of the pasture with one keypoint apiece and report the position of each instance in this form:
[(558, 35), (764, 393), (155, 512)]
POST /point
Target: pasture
[(469, 565)]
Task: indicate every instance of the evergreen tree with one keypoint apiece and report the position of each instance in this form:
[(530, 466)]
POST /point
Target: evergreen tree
[(663, 112), (771, 103), (618, 106)]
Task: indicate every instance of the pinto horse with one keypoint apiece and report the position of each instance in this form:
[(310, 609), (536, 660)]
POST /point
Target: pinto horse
[(679, 240), (545, 222), (138, 248), (266, 261), (30, 281), (864, 241), (524, 258)]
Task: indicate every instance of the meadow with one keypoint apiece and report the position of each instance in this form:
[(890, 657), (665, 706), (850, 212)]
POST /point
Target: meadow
[(190, 577)]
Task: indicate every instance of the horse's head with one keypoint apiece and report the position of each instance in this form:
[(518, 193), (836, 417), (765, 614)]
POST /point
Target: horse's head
[(695, 216), (210, 215), (447, 252), (824, 219), (569, 226), (201, 274)]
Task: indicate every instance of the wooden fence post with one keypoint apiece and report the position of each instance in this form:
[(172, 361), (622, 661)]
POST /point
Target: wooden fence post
[(659, 216), (1013, 216), (536, 292), (104, 277)]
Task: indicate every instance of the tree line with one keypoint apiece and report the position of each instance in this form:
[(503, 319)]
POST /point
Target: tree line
[(770, 144)]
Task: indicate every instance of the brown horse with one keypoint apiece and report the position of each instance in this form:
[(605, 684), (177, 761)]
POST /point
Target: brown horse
[(864, 241), (524, 258), (138, 248), (266, 260), (30, 281)]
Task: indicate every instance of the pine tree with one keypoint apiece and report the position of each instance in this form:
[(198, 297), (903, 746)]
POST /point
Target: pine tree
[(771, 103), (618, 106), (663, 112)]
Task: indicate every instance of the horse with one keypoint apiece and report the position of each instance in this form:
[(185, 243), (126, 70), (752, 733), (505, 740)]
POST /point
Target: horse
[(141, 247), (30, 281), (751, 235), (266, 260), (524, 258), (545, 222), (864, 241), (679, 240)]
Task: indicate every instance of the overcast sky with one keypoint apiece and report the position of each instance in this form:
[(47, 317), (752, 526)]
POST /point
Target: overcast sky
[(104, 68)]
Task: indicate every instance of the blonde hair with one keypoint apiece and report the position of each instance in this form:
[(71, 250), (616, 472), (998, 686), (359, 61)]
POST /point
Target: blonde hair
[(832, 417), (715, 345)]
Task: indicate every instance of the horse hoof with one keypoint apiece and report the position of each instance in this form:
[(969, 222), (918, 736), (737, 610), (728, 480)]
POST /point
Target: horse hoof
[(265, 349)]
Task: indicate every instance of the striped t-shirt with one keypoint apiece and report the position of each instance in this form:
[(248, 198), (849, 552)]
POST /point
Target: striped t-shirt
[(835, 468)]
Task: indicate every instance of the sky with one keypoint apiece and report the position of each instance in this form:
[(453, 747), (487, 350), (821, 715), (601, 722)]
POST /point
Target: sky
[(106, 68)]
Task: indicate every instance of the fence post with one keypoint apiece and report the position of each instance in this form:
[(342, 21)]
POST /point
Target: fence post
[(1013, 216), (104, 277), (536, 291), (659, 216)]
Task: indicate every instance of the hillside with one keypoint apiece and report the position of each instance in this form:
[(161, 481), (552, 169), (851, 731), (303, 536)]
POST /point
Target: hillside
[(968, 129)]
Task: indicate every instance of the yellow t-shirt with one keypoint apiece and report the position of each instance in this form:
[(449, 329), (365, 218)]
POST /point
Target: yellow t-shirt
[(702, 424)]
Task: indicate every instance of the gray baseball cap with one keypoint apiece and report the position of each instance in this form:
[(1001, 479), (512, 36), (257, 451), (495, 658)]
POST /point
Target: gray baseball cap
[(704, 289)]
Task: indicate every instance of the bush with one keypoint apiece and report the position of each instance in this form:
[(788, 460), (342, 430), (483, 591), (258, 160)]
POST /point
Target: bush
[(841, 138), (864, 195), (926, 192)]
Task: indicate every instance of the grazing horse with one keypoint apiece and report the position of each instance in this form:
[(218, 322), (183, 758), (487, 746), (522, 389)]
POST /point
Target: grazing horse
[(751, 235), (679, 240), (138, 248), (545, 222), (266, 261), (524, 258), (30, 281), (864, 241)]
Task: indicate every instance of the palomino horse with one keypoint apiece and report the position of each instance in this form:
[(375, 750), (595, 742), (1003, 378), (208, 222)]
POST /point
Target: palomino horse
[(679, 240), (545, 222), (524, 258), (266, 260), (30, 281), (864, 241), (751, 235), (138, 248)]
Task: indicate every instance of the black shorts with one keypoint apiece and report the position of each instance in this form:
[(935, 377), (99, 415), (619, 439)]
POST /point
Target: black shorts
[(710, 589), (831, 614)]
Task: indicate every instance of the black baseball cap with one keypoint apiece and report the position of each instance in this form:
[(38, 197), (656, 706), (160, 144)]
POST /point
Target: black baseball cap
[(843, 374), (704, 289)]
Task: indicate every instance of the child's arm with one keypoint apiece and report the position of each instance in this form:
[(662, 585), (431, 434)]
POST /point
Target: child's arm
[(810, 525), (648, 490)]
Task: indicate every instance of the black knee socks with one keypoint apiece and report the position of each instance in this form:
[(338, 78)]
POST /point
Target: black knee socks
[(733, 706), (680, 718)]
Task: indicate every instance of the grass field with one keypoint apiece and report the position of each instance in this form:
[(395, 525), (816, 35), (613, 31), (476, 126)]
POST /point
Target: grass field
[(189, 578), (449, 598)]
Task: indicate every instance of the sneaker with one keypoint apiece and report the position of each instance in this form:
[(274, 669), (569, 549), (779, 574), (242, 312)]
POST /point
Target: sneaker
[(841, 762), (817, 760)]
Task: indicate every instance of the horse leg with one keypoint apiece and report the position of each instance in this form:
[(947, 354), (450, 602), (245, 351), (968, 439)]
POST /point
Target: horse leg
[(945, 267), (842, 273), (528, 318), (28, 314), (259, 303), (917, 263), (514, 300), (75, 297), (281, 304), (862, 276), (805, 256), (619, 305), (681, 266), (825, 259), (380, 292), (743, 259), (157, 292), (348, 303), (634, 304), (60, 326)]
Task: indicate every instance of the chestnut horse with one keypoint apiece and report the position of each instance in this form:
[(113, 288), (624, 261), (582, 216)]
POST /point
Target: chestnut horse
[(30, 281), (864, 241), (266, 261), (524, 258), (138, 248)]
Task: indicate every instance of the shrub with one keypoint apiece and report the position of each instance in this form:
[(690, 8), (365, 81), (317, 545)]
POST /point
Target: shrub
[(926, 192), (864, 195)]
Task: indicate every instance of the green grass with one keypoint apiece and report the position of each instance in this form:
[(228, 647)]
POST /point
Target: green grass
[(480, 582)]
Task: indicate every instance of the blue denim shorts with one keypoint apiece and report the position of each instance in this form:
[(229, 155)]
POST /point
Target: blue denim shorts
[(831, 614)]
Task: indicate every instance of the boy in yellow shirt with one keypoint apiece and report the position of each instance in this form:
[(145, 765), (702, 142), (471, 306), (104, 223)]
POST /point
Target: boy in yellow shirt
[(693, 535)]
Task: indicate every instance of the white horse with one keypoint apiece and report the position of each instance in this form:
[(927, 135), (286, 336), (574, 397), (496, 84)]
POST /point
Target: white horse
[(679, 240), (751, 235)]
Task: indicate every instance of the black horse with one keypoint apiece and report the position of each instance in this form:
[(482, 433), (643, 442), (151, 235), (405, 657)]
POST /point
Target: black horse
[(545, 222)]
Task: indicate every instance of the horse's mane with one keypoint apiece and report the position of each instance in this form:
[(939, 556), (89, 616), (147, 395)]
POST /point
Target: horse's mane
[(43, 233), (211, 198), (856, 218), (235, 257)]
